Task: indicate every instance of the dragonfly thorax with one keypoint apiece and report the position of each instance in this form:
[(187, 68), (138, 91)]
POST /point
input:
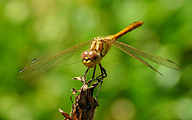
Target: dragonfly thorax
[(90, 58)]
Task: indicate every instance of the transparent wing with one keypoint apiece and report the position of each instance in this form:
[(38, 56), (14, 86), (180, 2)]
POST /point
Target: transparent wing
[(42, 64), (141, 55)]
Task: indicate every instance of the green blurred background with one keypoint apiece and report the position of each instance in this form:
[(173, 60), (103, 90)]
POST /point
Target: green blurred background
[(132, 91)]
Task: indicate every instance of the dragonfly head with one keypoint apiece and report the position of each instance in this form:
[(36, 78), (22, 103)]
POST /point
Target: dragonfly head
[(90, 58)]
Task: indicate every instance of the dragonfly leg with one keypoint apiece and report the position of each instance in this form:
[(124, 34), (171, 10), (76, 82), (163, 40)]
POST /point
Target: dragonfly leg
[(92, 79), (86, 73), (93, 73), (100, 78), (99, 88), (103, 73)]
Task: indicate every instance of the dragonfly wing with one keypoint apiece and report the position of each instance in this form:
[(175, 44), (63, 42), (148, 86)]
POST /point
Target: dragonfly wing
[(42, 64), (141, 55)]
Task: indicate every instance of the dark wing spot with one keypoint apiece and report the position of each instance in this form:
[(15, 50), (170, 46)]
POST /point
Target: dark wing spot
[(22, 70), (170, 60), (35, 60)]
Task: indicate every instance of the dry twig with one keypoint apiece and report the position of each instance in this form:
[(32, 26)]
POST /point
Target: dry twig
[(85, 104)]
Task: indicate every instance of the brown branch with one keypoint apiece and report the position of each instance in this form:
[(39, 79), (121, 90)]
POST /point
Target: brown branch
[(85, 104)]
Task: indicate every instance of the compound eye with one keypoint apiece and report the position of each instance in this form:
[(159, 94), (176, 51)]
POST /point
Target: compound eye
[(92, 55), (84, 54)]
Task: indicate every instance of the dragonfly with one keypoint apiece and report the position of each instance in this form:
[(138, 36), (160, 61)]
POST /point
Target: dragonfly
[(99, 47)]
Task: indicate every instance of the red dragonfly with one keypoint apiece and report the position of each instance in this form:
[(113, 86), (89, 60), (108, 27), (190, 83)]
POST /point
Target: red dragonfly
[(99, 47)]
